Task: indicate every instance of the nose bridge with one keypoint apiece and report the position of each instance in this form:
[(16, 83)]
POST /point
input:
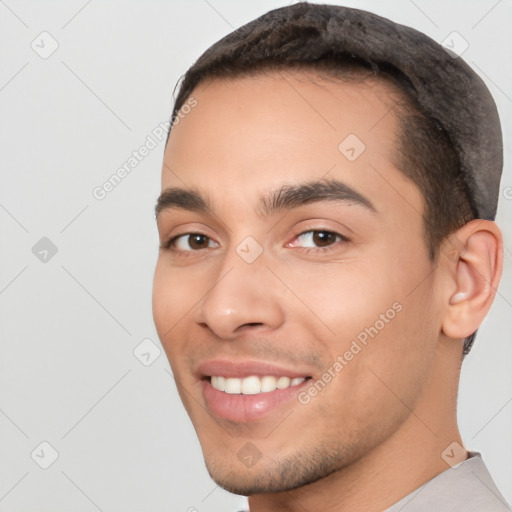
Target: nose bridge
[(241, 294)]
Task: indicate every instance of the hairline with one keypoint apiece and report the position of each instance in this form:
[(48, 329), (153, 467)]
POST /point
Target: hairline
[(349, 74)]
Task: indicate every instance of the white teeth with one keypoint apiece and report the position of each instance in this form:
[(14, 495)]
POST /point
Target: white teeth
[(233, 386), (253, 385), (268, 383), (283, 383), (219, 383)]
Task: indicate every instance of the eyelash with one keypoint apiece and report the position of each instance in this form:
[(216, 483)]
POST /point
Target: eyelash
[(304, 250), (169, 243), (333, 246)]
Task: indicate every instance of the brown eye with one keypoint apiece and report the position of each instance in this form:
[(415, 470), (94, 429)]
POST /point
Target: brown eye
[(192, 242), (196, 241), (317, 238), (324, 238)]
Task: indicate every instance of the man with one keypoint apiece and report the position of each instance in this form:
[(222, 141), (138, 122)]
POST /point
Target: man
[(328, 252)]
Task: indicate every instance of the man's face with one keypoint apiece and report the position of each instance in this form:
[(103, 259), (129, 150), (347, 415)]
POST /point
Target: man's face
[(327, 279)]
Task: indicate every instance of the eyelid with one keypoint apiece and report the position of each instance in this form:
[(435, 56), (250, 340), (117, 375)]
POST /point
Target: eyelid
[(181, 229), (296, 233), (169, 244)]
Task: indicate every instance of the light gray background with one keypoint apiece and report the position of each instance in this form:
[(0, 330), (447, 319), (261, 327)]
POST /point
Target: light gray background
[(69, 326)]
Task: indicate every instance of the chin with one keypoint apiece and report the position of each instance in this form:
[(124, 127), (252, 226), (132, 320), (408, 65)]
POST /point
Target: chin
[(274, 474)]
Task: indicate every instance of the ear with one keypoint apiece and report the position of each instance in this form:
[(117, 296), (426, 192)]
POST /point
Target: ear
[(473, 260)]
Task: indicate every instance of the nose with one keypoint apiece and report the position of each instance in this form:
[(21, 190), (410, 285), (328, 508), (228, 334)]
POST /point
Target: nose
[(244, 296)]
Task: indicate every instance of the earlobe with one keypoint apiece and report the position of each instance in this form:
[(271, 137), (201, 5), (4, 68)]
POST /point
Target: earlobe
[(473, 278)]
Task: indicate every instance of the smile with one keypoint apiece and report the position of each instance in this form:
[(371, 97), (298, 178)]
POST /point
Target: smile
[(243, 391), (253, 385)]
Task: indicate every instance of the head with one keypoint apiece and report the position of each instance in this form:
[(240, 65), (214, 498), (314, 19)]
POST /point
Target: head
[(321, 219)]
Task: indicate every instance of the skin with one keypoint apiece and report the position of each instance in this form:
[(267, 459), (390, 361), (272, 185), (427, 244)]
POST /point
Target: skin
[(377, 430)]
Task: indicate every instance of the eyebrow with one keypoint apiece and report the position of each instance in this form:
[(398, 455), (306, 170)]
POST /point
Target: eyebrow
[(286, 197)]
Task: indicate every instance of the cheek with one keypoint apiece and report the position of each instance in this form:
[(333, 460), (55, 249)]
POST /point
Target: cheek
[(162, 300), (389, 324), (173, 299), (342, 299), (380, 310)]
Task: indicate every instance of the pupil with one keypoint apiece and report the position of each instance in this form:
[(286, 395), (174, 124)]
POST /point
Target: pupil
[(323, 238), (197, 241)]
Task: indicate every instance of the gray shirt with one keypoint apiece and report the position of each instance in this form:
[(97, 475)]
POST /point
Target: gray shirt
[(467, 486)]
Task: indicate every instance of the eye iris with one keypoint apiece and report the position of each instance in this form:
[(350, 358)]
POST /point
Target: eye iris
[(197, 241), (323, 238)]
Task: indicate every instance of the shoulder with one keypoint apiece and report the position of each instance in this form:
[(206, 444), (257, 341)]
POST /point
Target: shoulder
[(467, 486)]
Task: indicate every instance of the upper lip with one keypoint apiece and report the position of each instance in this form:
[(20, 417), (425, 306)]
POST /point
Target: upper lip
[(241, 369)]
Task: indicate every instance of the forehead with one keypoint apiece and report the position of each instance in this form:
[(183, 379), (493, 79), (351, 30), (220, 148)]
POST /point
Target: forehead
[(248, 133)]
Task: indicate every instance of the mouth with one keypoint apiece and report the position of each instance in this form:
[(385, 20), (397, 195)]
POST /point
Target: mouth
[(253, 384), (245, 392)]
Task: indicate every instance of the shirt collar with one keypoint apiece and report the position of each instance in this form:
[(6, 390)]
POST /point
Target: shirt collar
[(466, 486)]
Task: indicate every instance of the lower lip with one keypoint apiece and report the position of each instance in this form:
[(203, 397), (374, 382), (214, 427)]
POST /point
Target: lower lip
[(247, 408)]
